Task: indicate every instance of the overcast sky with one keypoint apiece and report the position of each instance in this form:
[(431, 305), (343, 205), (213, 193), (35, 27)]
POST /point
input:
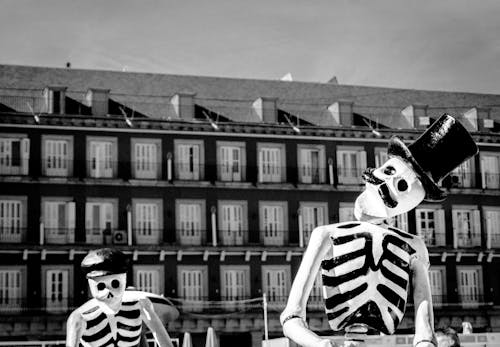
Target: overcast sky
[(437, 45)]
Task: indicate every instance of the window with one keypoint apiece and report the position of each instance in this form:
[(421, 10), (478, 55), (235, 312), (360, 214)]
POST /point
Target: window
[(58, 220), (12, 288), (431, 225), (57, 155), (470, 284), (148, 278), (272, 222), (231, 161), (14, 154), (235, 282), (13, 218), (147, 220), (189, 157), (346, 212), (233, 223), (492, 223), (190, 222), (351, 162), (463, 175), (100, 220), (399, 222), (490, 170), (102, 153), (311, 164), (271, 162), (437, 280), (55, 99), (146, 158), (192, 283), (381, 156), (312, 215), (466, 226), (56, 282), (276, 284)]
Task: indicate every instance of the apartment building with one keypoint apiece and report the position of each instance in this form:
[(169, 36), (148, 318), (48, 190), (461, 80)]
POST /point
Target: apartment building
[(213, 187)]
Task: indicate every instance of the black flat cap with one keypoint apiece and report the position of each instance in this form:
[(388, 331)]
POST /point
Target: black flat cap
[(104, 261)]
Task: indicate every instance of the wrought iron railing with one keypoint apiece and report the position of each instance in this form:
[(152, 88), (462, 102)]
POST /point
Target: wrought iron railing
[(102, 168), (191, 236), (12, 234), (468, 240), (10, 166)]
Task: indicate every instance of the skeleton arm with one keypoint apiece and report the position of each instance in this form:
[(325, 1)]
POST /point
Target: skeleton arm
[(74, 329), (294, 315), (422, 298), (154, 323)]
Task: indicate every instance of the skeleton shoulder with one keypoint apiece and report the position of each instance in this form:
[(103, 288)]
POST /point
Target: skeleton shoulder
[(421, 253)]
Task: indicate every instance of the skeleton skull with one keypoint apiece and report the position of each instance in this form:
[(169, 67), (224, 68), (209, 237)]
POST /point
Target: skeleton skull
[(390, 190), (108, 291)]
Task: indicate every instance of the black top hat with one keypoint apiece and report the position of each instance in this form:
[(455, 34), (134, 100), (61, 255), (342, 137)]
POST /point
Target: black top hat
[(439, 150), (104, 261)]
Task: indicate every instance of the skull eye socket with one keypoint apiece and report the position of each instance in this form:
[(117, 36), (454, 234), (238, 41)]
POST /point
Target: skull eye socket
[(402, 186), (115, 284), (101, 286), (389, 170)]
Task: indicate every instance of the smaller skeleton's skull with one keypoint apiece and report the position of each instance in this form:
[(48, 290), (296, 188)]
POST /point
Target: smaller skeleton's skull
[(108, 291), (390, 190)]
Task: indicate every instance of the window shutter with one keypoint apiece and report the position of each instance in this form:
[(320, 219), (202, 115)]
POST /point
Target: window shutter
[(88, 216), (455, 229), (25, 156), (477, 225), (483, 172), (418, 221), (441, 228), (361, 162), (488, 215), (340, 169), (70, 219)]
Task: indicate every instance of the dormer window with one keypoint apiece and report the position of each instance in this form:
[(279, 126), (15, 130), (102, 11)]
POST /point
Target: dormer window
[(55, 100)]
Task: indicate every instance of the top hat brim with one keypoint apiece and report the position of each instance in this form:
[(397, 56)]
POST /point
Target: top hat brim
[(433, 192)]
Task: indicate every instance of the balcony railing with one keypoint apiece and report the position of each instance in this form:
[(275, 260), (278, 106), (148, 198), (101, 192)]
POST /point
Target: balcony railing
[(312, 176), (191, 237), (232, 237), (12, 234), (349, 175), (434, 239), (271, 237), (59, 235), (101, 168), (491, 180), (57, 167), (189, 171), (143, 169), (231, 173), (147, 236), (495, 240), (471, 299), (13, 167), (468, 240)]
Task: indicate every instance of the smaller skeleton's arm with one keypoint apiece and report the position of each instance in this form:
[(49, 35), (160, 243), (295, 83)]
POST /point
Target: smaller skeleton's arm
[(74, 329), (154, 323), (294, 315), (422, 299)]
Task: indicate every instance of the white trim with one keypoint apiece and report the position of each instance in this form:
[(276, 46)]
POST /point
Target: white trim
[(158, 269)]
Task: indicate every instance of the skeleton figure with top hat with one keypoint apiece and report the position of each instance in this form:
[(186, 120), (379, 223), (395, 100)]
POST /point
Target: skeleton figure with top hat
[(114, 316), (367, 266)]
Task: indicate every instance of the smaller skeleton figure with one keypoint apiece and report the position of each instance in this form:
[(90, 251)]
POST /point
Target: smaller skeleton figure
[(367, 266), (113, 317)]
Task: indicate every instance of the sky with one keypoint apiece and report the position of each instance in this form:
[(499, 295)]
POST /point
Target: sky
[(432, 45)]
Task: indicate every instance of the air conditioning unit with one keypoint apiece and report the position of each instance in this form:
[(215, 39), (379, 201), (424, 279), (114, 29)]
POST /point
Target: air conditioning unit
[(424, 121), (488, 123), (119, 237), (455, 181)]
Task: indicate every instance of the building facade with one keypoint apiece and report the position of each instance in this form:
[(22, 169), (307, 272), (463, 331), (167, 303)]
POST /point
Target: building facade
[(213, 186)]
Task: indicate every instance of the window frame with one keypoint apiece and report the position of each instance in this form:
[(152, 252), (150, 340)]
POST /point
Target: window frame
[(244, 222), (246, 278), (186, 176), (70, 220), (475, 224), (159, 269), (113, 157), (45, 269), (439, 222), (23, 288), (156, 236), (69, 156), (203, 221), (361, 164), (271, 178), (114, 219), (280, 303), (312, 204), (321, 164), (280, 241), (496, 178), (480, 284), (242, 162), (156, 171), (24, 154), (23, 200)]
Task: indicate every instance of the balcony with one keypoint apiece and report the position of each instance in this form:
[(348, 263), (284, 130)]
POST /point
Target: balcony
[(271, 174), (271, 237), (316, 303), (308, 175), (189, 171), (231, 173), (147, 236), (467, 240), (472, 300), (146, 170), (12, 234), (494, 239)]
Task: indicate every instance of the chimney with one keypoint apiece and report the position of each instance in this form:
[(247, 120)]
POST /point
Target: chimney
[(478, 119), (266, 109), (341, 112), (416, 116), (55, 99), (183, 105), (98, 101)]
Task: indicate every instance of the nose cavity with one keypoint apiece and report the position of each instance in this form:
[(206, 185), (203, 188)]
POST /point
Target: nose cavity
[(369, 177), (110, 295)]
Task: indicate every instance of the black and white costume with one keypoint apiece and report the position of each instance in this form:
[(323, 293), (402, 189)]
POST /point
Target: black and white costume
[(367, 266)]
